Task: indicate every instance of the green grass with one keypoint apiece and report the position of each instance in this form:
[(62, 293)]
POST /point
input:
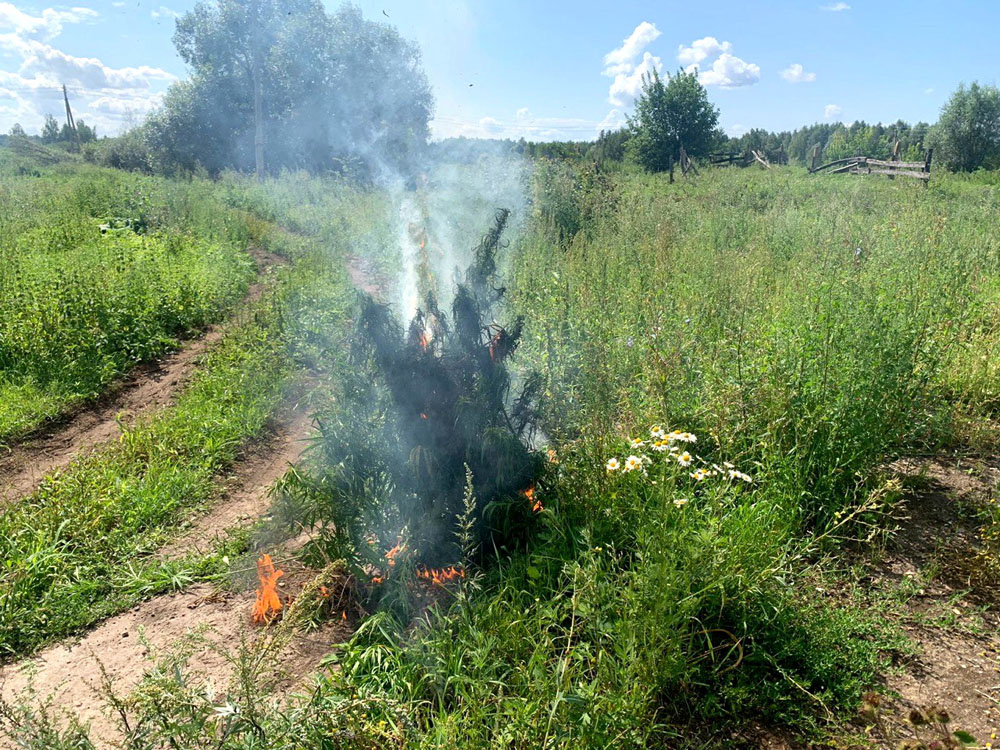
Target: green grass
[(78, 549), (79, 307), (806, 329), (736, 306)]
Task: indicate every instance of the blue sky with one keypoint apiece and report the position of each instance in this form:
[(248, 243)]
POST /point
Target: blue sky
[(551, 69)]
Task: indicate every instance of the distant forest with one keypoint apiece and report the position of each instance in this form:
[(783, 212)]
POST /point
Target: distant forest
[(836, 140)]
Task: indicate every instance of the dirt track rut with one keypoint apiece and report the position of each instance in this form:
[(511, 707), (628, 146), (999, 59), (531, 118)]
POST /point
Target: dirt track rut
[(146, 388)]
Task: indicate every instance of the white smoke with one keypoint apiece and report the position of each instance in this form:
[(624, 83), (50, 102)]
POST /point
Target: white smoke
[(452, 206)]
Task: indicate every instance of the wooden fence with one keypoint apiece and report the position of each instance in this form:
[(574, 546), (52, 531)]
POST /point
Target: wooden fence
[(746, 158), (921, 170)]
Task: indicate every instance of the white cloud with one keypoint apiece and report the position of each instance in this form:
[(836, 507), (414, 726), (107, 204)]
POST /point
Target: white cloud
[(164, 12), (736, 130), (729, 72), (622, 66), (101, 95), (643, 35), (626, 87), (49, 24), (490, 125), (795, 73), (124, 104), (831, 110), (523, 125), (701, 49), (835, 7), (726, 71), (929, 91), (612, 121)]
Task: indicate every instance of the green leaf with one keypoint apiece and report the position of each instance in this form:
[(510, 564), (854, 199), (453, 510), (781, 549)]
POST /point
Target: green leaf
[(533, 573), (964, 737)]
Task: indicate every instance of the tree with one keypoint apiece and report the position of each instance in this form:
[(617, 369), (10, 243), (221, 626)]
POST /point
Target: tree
[(967, 136), (333, 91), (50, 130), (669, 115), (17, 131), (85, 132)]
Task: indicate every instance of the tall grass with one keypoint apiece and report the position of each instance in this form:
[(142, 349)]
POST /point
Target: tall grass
[(808, 330), (99, 271), (79, 548)]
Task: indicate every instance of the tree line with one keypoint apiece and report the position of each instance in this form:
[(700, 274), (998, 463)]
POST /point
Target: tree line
[(330, 91), (675, 111), (285, 84)]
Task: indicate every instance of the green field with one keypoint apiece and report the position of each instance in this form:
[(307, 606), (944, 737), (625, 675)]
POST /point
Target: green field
[(100, 271), (807, 330)]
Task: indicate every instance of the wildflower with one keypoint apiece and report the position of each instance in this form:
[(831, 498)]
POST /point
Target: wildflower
[(680, 502), (657, 433), (675, 435), (660, 445), (699, 475), (687, 437), (637, 443), (632, 463), (684, 459), (612, 465), (227, 710), (734, 474)]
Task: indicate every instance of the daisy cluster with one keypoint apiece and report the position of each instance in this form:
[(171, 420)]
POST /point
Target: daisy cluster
[(675, 445)]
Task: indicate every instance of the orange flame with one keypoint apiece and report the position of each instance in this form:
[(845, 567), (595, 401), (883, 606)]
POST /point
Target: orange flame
[(390, 556), (494, 343), (553, 458), (424, 341), (440, 576), (529, 495), (268, 603), (423, 244), (423, 416)]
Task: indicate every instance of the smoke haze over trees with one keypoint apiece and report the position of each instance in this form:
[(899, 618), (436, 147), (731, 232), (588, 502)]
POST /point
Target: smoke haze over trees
[(338, 92)]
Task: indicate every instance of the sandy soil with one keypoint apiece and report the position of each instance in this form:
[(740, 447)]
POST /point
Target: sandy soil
[(364, 277), (70, 671), (956, 665), (124, 645), (248, 493), (146, 388)]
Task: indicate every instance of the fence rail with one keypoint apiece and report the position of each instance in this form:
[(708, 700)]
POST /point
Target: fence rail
[(893, 168)]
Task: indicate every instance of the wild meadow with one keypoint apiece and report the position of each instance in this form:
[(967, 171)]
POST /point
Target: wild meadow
[(727, 364), (101, 271), (800, 333)]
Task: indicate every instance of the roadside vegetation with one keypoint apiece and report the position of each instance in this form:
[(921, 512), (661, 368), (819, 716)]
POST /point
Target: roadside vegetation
[(102, 270), (622, 484), (799, 332), (80, 547)]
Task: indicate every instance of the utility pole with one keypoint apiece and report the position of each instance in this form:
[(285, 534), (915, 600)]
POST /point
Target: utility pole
[(70, 123)]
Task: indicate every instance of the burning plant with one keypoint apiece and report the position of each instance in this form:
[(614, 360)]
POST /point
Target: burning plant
[(442, 400), (268, 604)]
